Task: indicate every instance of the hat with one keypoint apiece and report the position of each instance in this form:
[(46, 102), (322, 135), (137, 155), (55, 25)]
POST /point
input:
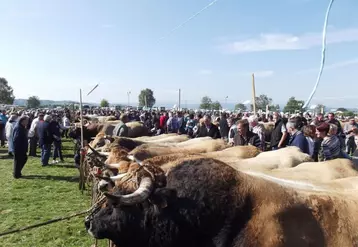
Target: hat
[(323, 127)]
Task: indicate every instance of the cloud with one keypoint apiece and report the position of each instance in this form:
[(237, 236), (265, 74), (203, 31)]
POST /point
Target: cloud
[(284, 41), (205, 72), (332, 66)]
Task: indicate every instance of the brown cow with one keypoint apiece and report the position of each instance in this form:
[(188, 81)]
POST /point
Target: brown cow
[(207, 203)]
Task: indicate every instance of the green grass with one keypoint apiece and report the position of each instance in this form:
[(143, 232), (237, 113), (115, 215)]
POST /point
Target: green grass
[(44, 193)]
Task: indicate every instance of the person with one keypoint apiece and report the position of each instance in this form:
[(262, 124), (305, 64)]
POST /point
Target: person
[(258, 129), (206, 128), (224, 127), (348, 131), (33, 134), (232, 130), (172, 123), (66, 125), (309, 132), (45, 139), (279, 133), (121, 128), (330, 146), (20, 144), (3, 121), (190, 124), (318, 120), (9, 129), (297, 138), (332, 120), (55, 129), (244, 136)]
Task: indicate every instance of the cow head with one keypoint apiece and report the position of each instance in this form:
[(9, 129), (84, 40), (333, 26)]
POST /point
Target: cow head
[(123, 218)]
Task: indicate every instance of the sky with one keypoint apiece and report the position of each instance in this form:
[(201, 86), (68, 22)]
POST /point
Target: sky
[(52, 49)]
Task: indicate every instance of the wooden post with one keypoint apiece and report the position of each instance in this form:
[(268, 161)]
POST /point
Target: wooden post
[(253, 94)]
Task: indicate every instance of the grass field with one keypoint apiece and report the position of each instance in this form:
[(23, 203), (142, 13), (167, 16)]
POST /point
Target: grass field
[(42, 194)]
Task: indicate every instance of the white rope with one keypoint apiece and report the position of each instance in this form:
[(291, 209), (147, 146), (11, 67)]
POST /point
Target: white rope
[(187, 20), (323, 55)]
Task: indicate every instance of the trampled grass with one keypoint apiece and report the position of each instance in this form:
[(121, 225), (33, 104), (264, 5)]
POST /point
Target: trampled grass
[(42, 194)]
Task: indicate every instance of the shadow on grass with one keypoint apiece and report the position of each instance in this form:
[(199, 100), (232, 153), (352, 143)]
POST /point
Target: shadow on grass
[(64, 166), (49, 177)]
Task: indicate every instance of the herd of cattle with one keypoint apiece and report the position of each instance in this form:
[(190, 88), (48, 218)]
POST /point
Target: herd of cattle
[(170, 190)]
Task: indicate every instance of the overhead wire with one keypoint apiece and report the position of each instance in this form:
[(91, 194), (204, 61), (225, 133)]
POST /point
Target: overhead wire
[(323, 57), (187, 20)]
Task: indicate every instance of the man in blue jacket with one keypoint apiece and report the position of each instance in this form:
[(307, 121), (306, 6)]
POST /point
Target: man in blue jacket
[(20, 145), (45, 139), (296, 137)]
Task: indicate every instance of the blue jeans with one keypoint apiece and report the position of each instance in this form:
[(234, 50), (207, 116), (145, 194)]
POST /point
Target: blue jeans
[(45, 154), (57, 151)]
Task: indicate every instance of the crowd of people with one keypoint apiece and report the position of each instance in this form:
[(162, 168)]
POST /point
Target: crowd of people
[(322, 138), (25, 132)]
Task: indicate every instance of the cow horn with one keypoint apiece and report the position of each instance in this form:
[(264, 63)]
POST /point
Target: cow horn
[(104, 154), (138, 196), (94, 151), (118, 177)]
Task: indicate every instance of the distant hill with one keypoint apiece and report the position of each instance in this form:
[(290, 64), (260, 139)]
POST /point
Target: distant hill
[(23, 102)]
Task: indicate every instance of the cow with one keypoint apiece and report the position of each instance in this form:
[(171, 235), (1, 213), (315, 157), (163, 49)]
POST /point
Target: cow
[(317, 172), (283, 158), (189, 147), (89, 131), (206, 203)]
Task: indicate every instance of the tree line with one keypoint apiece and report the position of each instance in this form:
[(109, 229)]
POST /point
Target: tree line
[(146, 99)]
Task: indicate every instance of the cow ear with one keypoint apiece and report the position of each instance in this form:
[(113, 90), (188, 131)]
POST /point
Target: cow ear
[(163, 197)]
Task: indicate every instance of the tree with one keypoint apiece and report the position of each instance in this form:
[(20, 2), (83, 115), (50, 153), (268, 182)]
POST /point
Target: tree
[(348, 114), (240, 107), (216, 106), (146, 98), (205, 103), (33, 102), (6, 92), (293, 105), (262, 101), (104, 103), (342, 109)]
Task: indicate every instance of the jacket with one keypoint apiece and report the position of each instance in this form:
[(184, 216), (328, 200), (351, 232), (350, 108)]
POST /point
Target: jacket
[(300, 141), (45, 134), (19, 139), (251, 139), (121, 129), (276, 134), (213, 131)]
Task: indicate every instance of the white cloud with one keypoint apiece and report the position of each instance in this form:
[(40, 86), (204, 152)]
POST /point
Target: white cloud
[(205, 72), (332, 66), (284, 41)]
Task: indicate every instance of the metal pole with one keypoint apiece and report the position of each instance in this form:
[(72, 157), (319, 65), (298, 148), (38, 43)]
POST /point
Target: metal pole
[(253, 94), (179, 101), (81, 116)]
